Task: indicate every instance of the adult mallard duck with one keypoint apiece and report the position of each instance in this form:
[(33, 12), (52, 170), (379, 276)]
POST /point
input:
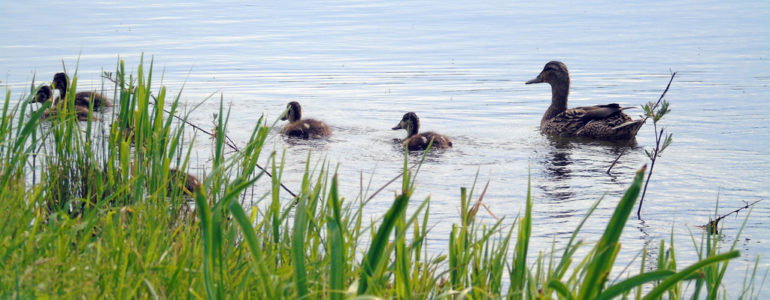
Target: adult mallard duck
[(420, 141), (61, 82), (297, 127), (606, 122)]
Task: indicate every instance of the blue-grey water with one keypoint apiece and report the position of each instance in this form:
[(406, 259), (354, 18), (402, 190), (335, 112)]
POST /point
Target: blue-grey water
[(461, 66)]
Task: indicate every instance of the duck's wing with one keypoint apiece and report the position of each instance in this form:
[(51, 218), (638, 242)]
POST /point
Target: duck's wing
[(317, 128), (422, 140), (439, 141), (307, 128), (595, 112), (599, 121)]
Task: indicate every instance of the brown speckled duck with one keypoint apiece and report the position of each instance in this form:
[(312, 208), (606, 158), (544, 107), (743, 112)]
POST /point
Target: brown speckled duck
[(61, 83), (420, 141), (183, 182), (307, 128), (605, 122), (44, 94)]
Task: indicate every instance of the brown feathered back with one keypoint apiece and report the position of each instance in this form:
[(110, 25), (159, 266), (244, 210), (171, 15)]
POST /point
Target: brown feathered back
[(307, 128)]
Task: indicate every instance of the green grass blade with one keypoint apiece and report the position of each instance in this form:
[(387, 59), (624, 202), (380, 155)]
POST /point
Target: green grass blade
[(518, 274), (204, 215), (561, 289), (336, 245), (604, 253), (254, 247), (376, 250), (298, 246), (633, 282), (672, 280)]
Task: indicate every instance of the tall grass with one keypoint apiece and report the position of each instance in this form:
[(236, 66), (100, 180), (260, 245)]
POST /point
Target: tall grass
[(96, 214)]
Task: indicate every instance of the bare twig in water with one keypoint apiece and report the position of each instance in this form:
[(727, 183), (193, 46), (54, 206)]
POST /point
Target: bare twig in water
[(628, 144), (389, 182), (229, 142), (713, 225), (480, 202)]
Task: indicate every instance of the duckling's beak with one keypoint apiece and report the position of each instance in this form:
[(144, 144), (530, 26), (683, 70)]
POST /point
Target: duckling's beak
[(398, 126), (538, 79)]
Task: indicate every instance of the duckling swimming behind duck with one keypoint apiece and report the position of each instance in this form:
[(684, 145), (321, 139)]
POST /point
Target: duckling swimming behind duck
[(420, 141), (61, 83), (44, 94), (606, 122), (183, 182), (307, 128), (82, 113)]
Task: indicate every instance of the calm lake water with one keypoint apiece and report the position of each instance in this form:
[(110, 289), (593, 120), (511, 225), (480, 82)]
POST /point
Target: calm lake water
[(461, 66)]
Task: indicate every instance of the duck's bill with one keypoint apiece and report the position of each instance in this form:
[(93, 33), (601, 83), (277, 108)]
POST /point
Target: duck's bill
[(397, 127), (536, 80)]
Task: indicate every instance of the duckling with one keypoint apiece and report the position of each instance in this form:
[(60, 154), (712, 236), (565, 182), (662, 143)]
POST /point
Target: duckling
[(420, 141), (44, 94), (307, 128), (177, 177), (81, 112), (61, 83), (605, 122)]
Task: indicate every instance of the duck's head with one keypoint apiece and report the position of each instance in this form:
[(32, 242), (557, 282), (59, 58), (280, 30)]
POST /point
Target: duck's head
[(293, 112), (60, 82), (44, 93), (554, 73), (410, 122)]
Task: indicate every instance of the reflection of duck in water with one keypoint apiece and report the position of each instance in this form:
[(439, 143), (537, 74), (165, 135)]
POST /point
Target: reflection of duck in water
[(558, 161), (61, 83), (420, 141), (557, 165), (307, 128), (45, 93), (607, 122)]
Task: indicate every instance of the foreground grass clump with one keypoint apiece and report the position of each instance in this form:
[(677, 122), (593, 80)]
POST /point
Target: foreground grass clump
[(96, 214)]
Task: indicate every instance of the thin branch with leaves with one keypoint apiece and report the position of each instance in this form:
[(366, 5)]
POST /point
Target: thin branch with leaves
[(644, 120), (656, 111)]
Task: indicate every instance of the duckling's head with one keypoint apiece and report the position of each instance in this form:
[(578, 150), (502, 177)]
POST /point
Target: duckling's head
[(43, 94), (554, 72), (60, 82), (293, 112), (410, 122)]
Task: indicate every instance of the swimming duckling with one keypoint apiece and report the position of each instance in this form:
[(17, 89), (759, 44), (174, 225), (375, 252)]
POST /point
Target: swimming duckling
[(606, 122), (419, 141), (184, 182), (61, 83), (44, 94), (307, 128), (81, 112)]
